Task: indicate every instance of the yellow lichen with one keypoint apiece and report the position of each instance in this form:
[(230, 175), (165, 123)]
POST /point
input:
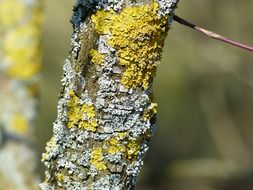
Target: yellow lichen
[(150, 111), (137, 33), (88, 110), (11, 12), (115, 146), (97, 57), (77, 112), (50, 145), (129, 148), (133, 148), (102, 21), (92, 126), (97, 159), (60, 177), (19, 123), (74, 116), (121, 135), (21, 47)]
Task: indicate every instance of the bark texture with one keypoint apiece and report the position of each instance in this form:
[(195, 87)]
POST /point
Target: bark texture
[(20, 60), (106, 110)]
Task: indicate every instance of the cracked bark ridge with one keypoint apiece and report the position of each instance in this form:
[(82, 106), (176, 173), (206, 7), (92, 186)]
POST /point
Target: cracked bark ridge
[(106, 110)]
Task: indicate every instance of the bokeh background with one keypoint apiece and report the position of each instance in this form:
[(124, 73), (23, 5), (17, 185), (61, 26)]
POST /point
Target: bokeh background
[(204, 90)]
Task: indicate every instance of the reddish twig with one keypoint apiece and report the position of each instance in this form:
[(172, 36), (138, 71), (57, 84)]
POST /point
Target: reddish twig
[(212, 34)]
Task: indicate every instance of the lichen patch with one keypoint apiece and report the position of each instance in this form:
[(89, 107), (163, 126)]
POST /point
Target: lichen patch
[(137, 33)]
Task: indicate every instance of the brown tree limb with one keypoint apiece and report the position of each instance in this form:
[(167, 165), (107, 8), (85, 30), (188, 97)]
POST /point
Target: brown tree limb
[(106, 110)]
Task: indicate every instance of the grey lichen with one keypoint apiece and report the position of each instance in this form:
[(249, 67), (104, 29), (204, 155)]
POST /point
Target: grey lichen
[(105, 120)]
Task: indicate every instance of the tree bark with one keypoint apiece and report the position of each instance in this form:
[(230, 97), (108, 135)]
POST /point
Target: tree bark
[(106, 110), (20, 60)]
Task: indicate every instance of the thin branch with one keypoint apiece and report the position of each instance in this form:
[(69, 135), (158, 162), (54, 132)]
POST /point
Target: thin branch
[(212, 34), (106, 112)]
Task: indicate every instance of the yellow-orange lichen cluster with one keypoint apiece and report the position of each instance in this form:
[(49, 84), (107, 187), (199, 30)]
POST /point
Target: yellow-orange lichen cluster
[(119, 144), (50, 145), (97, 159), (19, 123), (81, 114), (150, 112), (97, 57), (21, 44), (128, 148), (137, 33)]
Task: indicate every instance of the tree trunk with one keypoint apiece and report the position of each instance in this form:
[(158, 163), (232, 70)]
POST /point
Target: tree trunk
[(20, 60), (106, 110)]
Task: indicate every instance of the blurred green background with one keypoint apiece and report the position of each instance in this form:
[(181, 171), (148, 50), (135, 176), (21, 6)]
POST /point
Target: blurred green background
[(204, 91)]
